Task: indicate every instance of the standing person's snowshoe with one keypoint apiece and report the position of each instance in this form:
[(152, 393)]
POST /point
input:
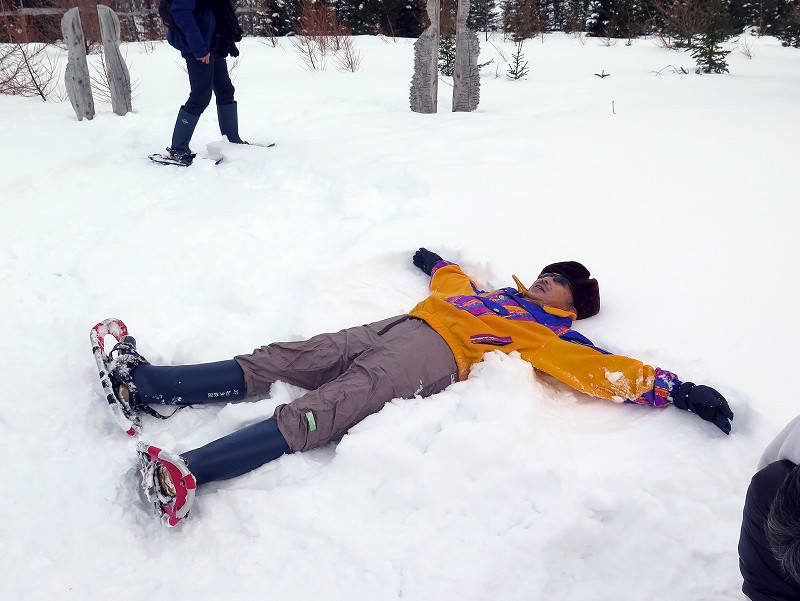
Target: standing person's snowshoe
[(166, 482), (177, 158)]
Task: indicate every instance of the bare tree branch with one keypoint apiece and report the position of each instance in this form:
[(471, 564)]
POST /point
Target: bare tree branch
[(28, 70)]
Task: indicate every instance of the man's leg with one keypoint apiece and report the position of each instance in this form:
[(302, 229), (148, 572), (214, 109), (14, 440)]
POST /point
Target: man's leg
[(217, 382), (308, 364), (409, 359), (237, 453), (227, 110), (201, 79), (313, 362), (201, 83), (222, 84)]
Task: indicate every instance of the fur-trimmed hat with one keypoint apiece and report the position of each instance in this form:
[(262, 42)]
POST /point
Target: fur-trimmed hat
[(585, 290)]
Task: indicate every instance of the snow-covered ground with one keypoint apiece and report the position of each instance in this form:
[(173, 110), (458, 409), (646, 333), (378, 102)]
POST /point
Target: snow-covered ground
[(681, 200)]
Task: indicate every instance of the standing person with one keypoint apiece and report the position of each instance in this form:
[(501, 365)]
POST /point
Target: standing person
[(355, 372), (769, 544), (205, 32)]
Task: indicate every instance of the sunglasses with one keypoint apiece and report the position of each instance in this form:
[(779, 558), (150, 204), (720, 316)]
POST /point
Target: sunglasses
[(557, 278)]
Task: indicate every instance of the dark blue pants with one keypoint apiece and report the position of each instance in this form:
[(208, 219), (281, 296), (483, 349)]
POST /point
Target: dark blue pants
[(204, 79)]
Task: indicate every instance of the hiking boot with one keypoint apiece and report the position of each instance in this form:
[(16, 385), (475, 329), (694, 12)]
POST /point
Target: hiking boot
[(166, 482)]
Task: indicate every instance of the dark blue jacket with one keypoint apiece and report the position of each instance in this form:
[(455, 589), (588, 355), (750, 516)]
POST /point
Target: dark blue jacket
[(196, 25), (763, 578)]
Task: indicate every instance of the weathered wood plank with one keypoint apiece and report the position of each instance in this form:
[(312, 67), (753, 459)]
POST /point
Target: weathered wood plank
[(425, 82), (119, 80), (76, 76), (466, 75)]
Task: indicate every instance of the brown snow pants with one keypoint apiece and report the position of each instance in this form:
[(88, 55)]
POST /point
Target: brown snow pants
[(350, 374)]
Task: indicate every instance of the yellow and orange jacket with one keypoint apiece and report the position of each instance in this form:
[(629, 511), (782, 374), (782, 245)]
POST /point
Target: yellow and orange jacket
[(474, 322)]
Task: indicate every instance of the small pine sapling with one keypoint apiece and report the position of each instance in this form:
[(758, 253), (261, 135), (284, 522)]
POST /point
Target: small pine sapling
[(522, 20), (518, 67)]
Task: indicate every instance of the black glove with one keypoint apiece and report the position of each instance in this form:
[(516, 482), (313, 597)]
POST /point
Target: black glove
[(705, 402), (425, 260), (225, 46)]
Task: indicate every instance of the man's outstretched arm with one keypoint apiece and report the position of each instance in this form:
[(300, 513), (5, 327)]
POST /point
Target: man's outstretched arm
[(622, 379), (447, 279)]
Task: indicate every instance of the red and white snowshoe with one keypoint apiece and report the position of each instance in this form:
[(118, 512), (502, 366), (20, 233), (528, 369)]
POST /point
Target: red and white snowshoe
[(114, 371), (116, 375), (166, 482)]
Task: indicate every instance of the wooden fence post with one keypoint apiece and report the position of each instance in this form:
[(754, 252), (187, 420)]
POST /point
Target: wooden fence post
[(425, 82), (119, 80), (76, 76), (466, 75)]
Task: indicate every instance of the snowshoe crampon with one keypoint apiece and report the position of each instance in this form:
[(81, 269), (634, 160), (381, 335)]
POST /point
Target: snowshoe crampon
[(166, 482), (115, 391)]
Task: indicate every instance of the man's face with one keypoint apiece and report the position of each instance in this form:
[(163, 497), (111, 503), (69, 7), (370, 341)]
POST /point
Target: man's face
[(552, 290)]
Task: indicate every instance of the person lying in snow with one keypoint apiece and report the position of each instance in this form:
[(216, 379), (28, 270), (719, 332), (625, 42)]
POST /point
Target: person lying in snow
[(769, 543), (355, 372)]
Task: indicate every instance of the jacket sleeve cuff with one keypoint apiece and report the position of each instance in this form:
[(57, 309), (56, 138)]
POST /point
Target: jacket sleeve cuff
[(439, 265), (661, 393)]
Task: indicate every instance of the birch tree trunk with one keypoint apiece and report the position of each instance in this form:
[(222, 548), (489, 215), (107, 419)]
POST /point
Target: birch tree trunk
[(119, 81), (425, 82), (76, 76), (466, 76)]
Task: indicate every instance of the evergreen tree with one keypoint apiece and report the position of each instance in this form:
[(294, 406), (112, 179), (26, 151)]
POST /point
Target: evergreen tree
[(787, 27), (746, 13), (519, 66), (280, 15), (396, 18), (447, 54), (710, 57), (349, 13), (521, 19), (447, 37), (630, 18), (768, 16), (483, 15), (575, 15), (715, 28), (358, 16), (554, 14), (596, 18)]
